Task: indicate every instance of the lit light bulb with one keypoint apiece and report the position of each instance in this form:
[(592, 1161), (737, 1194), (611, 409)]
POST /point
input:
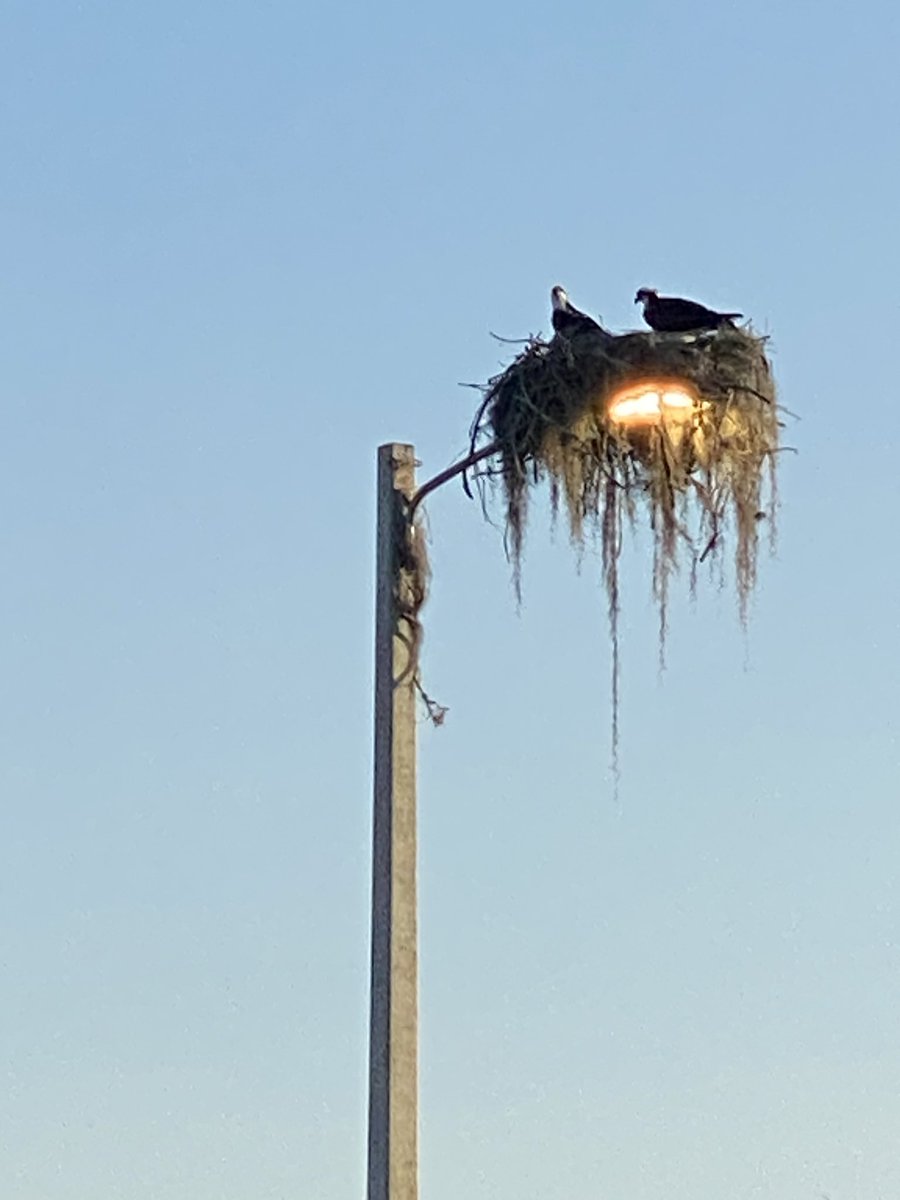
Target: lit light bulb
[(647, 403)]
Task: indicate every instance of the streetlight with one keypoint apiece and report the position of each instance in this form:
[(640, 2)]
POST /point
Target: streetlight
[(599, 417)]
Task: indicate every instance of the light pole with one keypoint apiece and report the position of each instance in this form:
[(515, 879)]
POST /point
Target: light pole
[(393, 1016), (393, 1012)]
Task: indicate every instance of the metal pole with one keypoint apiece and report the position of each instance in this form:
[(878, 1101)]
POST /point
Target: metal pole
[(393, 1022)]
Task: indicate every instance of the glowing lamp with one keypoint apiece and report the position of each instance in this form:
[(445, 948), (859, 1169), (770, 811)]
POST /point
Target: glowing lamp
[(649, 402)]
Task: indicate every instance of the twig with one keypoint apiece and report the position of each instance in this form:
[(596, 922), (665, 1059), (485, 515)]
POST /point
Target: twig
[(710, 546), (437, 713), (474, 431), (742, 387), (531, 340)]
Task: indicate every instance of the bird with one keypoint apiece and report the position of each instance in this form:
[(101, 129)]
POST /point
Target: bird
[(566, 318), (668, 314)]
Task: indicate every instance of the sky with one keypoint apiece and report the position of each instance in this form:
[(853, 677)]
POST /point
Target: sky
[(242, 246)]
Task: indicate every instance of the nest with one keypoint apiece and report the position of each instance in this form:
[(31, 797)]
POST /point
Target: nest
[(699, 478)]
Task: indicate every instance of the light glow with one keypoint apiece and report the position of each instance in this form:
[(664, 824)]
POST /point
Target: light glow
[(647, 403)]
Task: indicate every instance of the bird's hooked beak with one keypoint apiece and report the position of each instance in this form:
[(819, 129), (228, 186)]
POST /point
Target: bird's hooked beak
[(558, 297)]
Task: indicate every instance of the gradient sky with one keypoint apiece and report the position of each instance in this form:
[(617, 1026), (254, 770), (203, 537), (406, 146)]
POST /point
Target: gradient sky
[(242, 244)]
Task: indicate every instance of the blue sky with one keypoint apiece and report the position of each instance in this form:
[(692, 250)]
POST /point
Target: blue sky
[(244, 244)]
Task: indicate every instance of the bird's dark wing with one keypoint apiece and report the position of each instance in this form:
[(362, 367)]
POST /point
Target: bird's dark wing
[(671, 314), (685, 311), (567, 320)]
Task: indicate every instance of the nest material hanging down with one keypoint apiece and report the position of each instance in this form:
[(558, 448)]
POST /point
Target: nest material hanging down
[(411, 579), (698, 481)]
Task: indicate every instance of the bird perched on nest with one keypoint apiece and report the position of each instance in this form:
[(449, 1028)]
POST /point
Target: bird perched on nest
[(668, 314), (566, 318)]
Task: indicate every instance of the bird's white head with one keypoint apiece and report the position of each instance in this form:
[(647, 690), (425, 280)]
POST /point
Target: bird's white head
[(645, 295), (558, 298)]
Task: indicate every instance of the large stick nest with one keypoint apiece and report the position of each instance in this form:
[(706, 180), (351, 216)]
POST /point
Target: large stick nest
[(547, 414), (699, 480)]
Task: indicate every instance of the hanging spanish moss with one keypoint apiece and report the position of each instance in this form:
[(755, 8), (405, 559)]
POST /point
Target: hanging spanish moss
[(676, 431)]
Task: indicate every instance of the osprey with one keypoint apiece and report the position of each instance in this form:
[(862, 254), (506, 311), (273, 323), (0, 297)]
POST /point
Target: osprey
[(566, 318), (667, 314)]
